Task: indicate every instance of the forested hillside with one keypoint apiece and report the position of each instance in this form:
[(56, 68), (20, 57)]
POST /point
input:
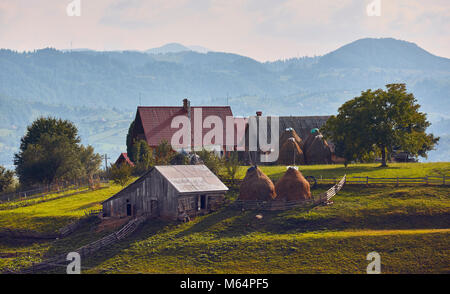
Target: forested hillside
[(99, 91)]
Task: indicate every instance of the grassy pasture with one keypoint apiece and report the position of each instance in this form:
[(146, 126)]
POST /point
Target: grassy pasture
[(51, 215), (409, 226), (406, 170)]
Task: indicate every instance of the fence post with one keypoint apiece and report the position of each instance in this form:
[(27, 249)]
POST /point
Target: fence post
[(367, 180), (426, 180), (397, 182)]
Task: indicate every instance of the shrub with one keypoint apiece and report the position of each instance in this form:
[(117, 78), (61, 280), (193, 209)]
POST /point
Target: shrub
[(121, 174)]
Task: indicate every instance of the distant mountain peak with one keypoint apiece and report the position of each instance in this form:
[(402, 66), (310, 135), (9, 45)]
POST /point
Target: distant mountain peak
[(383, 53), (175, 48)]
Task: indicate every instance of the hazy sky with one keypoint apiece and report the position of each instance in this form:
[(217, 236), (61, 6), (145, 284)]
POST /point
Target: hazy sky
[(261, 29)]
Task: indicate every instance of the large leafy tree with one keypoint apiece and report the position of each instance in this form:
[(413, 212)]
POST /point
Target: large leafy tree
[(51, 150), (348, 138), (51, 126), (380, 121)]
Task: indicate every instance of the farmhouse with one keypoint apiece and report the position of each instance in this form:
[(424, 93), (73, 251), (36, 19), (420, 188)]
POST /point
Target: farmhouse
[(169, 192), (153, 123)]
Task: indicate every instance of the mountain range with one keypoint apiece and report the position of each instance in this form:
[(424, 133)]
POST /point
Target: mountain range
[(99, 90)]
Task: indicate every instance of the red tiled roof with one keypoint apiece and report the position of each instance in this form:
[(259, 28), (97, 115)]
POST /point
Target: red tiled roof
[(156, 120), (124, 157), (239, 135)]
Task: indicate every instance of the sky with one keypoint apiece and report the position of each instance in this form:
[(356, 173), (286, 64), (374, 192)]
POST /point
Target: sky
[(261, 29)]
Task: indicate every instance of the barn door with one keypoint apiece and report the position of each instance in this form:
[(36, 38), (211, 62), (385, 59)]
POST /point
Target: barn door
[(202, 201), (154, 207)]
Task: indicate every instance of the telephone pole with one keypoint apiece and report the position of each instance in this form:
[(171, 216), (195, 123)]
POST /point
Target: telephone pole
[(106, 162)]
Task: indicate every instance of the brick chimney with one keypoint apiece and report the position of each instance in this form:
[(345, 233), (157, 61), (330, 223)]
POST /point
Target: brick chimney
[(187, 107), (258, 113)]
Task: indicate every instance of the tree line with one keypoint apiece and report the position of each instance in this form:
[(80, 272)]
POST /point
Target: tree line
[(376, 123)]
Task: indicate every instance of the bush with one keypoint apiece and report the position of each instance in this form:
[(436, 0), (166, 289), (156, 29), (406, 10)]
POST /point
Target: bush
[(180, 159), (143, 157), (232, 165), (211, 160), (164, 153), (120, 174)]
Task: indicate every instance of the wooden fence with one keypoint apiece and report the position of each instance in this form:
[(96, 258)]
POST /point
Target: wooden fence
[(93, 212), (61, 260), (26, 234), (427, 180), (42, 191), (323, 198), (18, 254), (41, 199), (397, 181)]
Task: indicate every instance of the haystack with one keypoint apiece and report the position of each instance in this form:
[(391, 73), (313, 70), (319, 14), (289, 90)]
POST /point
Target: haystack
[(256, 186), (290, 133), (292, 186), (317, 151), (291, 153), (313, 133)]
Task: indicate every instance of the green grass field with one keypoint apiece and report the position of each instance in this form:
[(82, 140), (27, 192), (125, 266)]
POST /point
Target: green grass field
[(52, 215), (408, 226), (406, 170), (36, 199)]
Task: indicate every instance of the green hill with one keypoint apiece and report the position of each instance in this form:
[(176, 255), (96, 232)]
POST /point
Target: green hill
[(408, 226)]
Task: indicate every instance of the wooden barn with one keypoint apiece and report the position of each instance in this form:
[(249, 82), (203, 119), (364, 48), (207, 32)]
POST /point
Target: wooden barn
[(169, 192), (302, 125)]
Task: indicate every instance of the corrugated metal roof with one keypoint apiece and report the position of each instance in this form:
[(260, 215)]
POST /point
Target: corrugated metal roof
[(191, 178), (184, 178)]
